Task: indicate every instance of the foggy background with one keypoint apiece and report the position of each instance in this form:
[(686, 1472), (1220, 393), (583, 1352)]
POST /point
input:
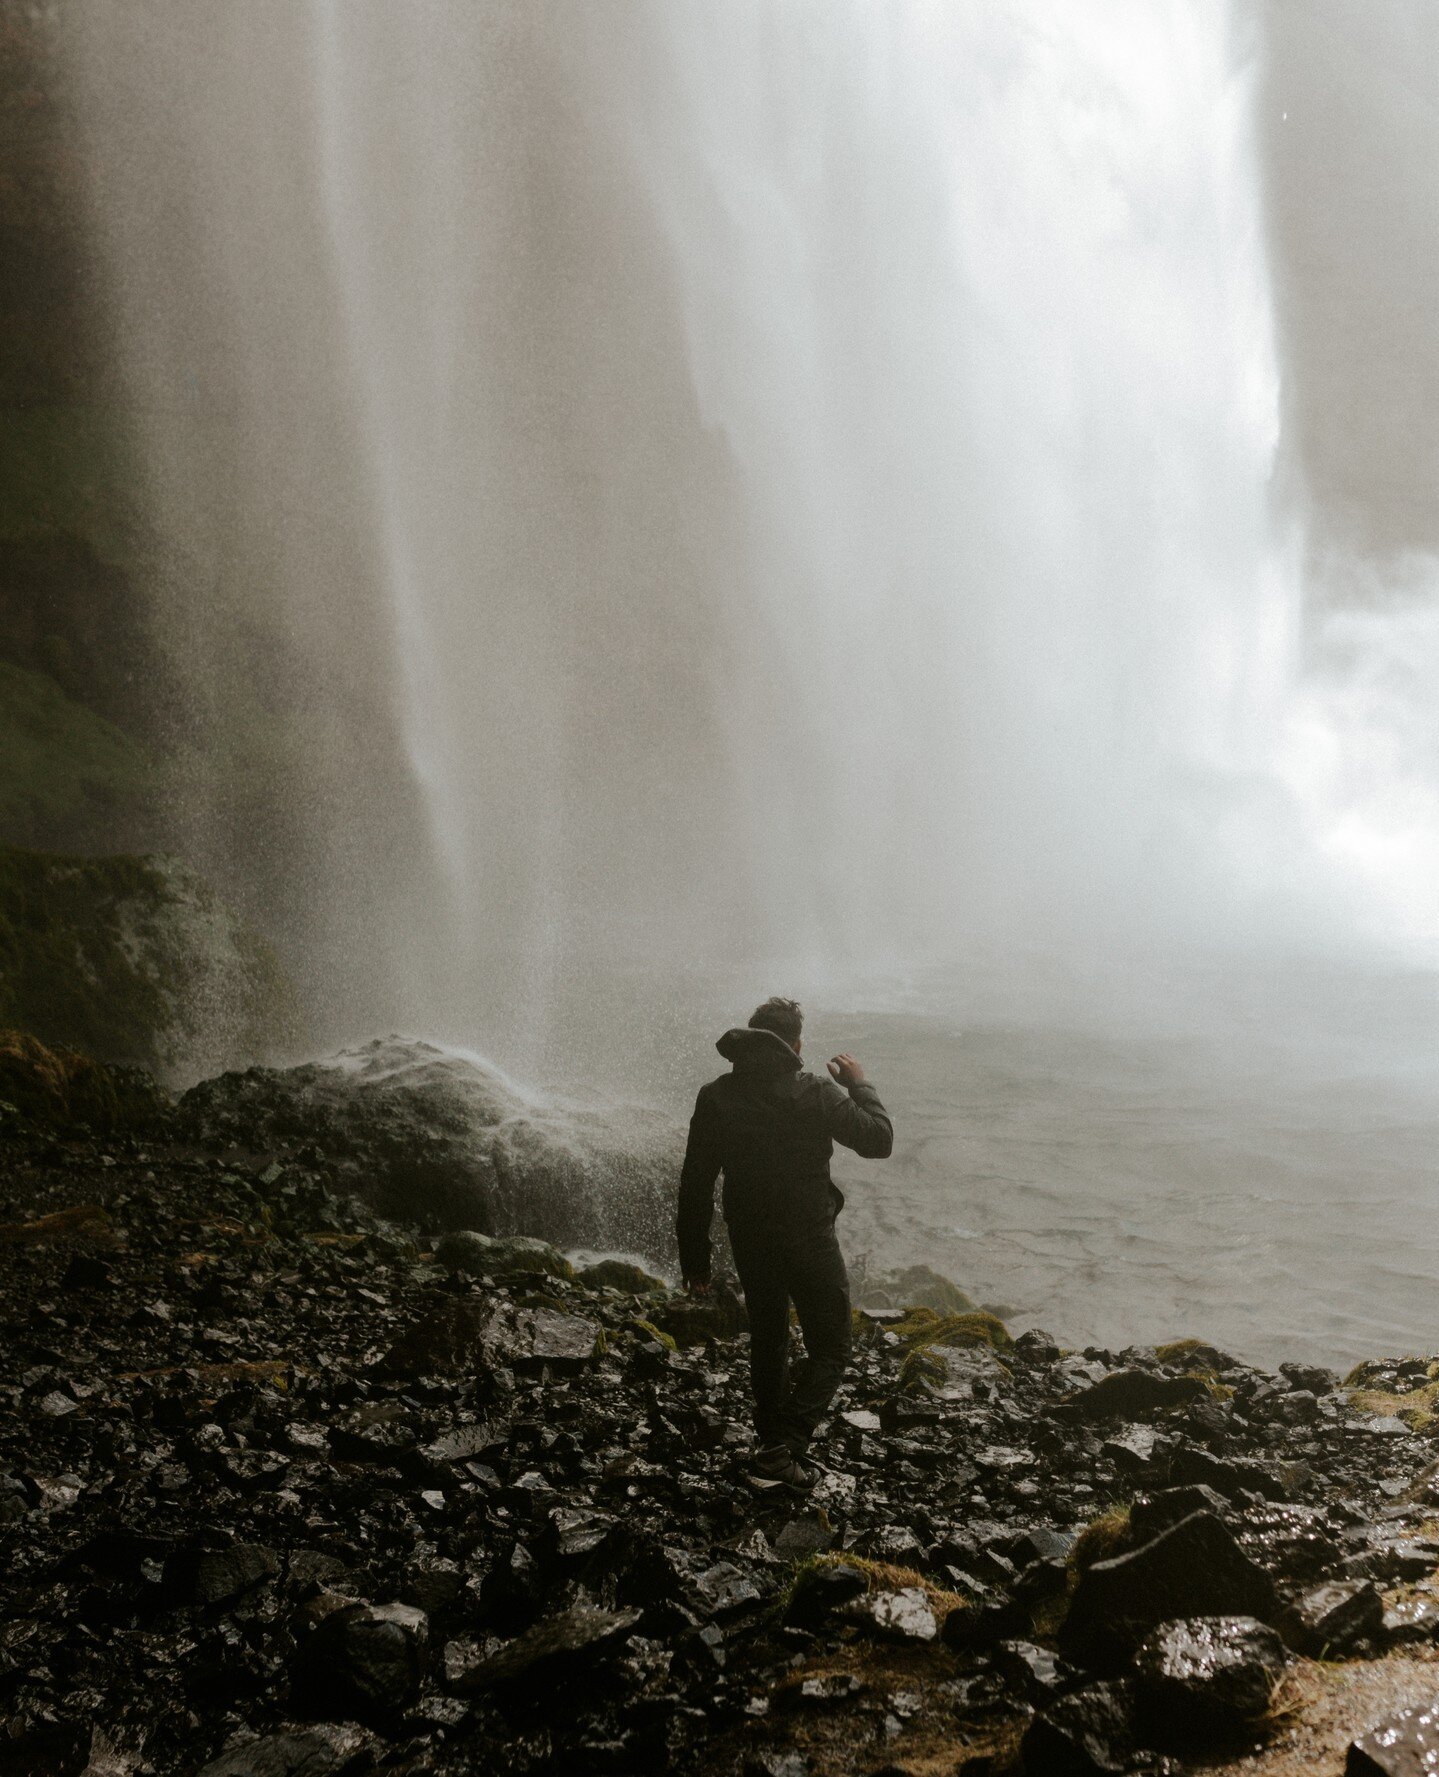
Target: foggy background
[(925, 507), (826, 490)]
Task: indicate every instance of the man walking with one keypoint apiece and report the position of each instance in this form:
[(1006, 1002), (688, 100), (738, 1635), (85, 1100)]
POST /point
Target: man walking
[(771, 1129)]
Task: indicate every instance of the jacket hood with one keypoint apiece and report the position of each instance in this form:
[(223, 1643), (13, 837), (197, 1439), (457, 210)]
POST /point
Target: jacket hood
[(757, 1052)]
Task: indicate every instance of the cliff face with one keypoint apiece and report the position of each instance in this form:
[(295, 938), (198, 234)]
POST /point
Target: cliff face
[(135, 959)]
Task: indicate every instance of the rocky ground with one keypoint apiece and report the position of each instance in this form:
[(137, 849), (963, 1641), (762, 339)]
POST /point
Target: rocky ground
[(285, 1487)]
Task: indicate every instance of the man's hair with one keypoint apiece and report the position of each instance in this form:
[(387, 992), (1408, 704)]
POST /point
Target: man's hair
[(781, 1016)]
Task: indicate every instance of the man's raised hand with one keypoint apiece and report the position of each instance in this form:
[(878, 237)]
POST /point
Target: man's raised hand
[(846, 1070)]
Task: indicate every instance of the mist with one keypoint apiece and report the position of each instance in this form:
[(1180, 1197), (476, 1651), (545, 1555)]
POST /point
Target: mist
[(790, 495)]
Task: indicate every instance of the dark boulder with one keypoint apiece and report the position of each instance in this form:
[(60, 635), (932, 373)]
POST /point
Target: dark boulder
[(555, 1650), (621, 1274), (821, 1589), (1206, 1678), (1196, 1568), (1085, 1734), (1155, 1512), (1134, 1394), (1230, 1475), (1337, 1618), (424, 1129), (362, 1659), (219, 1576)]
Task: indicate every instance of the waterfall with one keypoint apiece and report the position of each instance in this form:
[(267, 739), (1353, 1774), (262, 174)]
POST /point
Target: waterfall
[(798, 478)]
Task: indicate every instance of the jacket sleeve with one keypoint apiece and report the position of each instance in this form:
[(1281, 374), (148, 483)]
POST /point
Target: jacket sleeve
[(697, 1192), (856, 1119)]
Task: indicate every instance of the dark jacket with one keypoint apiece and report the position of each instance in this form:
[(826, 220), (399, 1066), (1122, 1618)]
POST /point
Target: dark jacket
[(770, 1128)]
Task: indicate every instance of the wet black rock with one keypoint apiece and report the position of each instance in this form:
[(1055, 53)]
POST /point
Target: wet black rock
[(1134, 1394), (308, 1752), (1155, 1512), (1310, 1378), (822, 1589), (278, 1406), (1084, 1734), (1407, 1745), (1195, 1568), (362, 1659), (555, 1650), (1334, 1619), (1206, 1678), (219, 1576)]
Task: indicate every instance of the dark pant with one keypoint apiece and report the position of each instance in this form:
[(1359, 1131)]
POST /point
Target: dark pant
[(806, 1268)]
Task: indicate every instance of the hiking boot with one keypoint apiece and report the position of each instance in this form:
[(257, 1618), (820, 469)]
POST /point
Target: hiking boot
[(777, 1462)]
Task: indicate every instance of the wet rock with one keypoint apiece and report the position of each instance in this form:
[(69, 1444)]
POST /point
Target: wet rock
[(1309, 1378), (309, 1752), (465, 1250), (219, 1576), (1161, 1511), (822, 1589), (902, 1615), (1230, 1475), (621, 1274), (1333, 1619), (363, 1659), (1134, 1394), (563, 1645), (1196, 1568), (418, 1124), (1407, 1745), (1037, 1673), (1085, 1734), (1206, 1678), (520, 1255), (727, 1589), (1412, 1621), (802, 1537)]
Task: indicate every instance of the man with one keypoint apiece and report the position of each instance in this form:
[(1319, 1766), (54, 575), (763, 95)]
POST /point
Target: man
[(771, 1128)]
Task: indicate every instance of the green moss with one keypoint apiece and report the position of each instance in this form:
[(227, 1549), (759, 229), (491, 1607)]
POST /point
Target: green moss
[(651, 1331), (918, 1369), (1198, 1352), (1101, 1538), (923, 1327)]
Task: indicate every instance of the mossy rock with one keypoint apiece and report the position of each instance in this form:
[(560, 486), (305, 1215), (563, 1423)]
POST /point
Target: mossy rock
[(919, 1369), (621, 1274), (60, 1088), (1416, 1406), (648, 1330), (520, 1255), (923, 1327), (1194, 1354), (1101, 1539), (135, 960)]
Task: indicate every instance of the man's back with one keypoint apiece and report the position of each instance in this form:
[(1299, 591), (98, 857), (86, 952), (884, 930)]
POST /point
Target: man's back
[(770, 1127)]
